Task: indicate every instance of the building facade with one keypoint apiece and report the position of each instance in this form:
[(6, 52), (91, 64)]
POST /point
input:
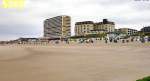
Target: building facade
[(98, 31), (128, 31), (89, 27), (57, 27), (105, 25), (146, 29), (84, 28)]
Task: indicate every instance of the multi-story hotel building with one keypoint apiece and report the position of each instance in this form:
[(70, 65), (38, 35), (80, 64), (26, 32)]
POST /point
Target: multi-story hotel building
[(105, 25), (128, 31), (89, 27), (83, 28), (57, 27)]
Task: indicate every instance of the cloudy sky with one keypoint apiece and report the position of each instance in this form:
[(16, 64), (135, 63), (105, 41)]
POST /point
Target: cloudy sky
[(28, 22)]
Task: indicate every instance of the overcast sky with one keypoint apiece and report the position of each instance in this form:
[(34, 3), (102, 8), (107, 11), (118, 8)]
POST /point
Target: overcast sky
[(28, 22)]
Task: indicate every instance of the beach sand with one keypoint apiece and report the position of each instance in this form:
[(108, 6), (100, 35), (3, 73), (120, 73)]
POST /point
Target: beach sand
[(74, 63)]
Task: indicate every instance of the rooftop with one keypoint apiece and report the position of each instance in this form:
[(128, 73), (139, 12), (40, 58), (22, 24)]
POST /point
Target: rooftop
[(84, 22)]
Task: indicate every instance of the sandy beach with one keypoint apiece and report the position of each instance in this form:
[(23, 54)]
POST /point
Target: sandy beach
[(74, 63)]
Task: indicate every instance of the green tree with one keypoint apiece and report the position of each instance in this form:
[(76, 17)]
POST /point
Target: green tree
[(144, 79)]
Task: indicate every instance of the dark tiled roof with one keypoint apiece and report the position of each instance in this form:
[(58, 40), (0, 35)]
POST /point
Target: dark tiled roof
[(105, 21), (100, 23), (84, 22)]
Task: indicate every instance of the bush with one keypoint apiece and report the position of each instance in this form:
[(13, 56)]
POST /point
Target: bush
[(144, 79)]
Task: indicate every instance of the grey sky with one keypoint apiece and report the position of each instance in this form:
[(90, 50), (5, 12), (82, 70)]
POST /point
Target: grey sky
[(28, 22)]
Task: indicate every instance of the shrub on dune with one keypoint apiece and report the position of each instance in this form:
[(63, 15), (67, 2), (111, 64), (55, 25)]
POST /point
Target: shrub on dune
[(144, 79)]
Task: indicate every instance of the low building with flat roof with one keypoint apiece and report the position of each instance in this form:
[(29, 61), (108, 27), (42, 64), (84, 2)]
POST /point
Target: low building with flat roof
[(128, 31), (146, 29)]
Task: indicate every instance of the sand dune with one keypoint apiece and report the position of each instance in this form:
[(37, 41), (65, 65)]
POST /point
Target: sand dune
[(74, 63)]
